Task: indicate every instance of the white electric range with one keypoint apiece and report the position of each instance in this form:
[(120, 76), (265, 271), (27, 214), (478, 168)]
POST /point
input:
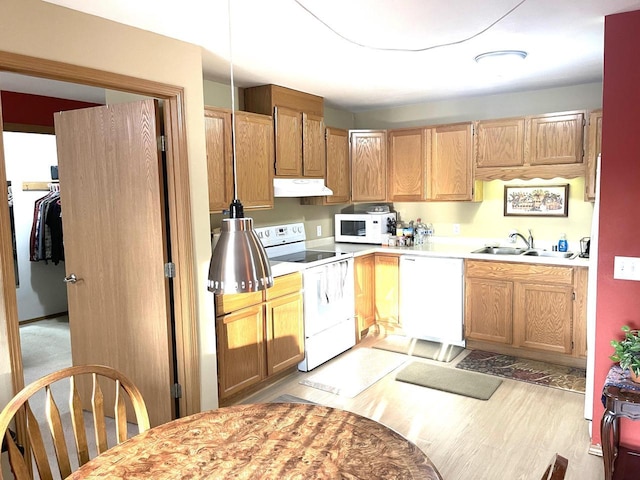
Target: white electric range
[(328, 296)]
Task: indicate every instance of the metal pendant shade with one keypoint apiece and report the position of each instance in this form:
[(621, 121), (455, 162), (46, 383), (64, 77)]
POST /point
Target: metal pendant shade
[(239, 263)]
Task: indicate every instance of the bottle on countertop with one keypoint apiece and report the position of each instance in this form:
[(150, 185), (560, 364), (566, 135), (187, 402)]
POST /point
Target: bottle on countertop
[(420, 233), (562, 243), (430, 232)]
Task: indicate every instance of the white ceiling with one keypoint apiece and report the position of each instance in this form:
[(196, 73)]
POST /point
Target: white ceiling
[(289, 42)]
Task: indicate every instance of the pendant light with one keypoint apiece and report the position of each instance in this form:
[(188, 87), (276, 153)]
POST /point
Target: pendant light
[(239, 263)]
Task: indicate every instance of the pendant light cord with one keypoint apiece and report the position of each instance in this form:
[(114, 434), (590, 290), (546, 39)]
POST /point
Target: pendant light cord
[(233, 109)]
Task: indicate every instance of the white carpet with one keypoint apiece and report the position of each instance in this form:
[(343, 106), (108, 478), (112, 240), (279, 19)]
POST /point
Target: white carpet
[(354, 371)]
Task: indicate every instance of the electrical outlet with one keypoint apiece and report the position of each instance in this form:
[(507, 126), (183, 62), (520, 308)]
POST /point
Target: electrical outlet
[(626, 268), (456, 229), (319, 231)]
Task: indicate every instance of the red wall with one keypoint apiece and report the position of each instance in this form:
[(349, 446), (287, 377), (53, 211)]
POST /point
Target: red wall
[(618, 301), (27, 109)]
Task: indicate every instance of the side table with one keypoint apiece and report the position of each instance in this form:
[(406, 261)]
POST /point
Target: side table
[(621, 398)]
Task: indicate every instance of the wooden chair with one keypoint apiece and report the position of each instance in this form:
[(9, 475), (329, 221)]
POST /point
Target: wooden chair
[(557, 468), (20, 457)]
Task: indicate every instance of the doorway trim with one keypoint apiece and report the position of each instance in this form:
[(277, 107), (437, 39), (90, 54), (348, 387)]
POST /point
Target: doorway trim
[(179, 202)]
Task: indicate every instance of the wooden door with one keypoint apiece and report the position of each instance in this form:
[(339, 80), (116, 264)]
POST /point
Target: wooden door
[(368, 165), (285, 332), (387, 284), (543, 317), (217, 129), (364, 288), (338, 174), (408, 150), (254, 159), (116, 245), (488, 310), (241, 349), (288, 132), (555, 138), (450, 172), (500, 143), (313, 147)]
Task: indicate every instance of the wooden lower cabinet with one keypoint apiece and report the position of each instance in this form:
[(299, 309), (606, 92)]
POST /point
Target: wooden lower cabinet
[(364, 277), (259, 335), (387, 286), (488, 310), (526, 308)]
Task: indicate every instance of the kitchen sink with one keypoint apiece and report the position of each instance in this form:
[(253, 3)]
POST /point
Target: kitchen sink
[(501, 250), (549, 253), (525, 252)]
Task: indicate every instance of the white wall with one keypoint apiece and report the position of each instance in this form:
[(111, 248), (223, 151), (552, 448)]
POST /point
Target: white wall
[(28, 157)]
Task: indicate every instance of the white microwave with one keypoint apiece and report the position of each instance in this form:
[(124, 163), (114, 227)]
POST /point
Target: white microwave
[(361, 227)]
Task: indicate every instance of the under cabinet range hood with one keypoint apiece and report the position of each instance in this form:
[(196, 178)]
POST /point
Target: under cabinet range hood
[(300, 187)]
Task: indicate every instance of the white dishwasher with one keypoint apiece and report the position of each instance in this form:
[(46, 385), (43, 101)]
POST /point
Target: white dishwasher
[(432, 298)]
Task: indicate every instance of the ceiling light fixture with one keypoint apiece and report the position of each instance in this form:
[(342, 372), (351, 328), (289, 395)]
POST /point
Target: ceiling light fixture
[(501, 57), (239, 263)]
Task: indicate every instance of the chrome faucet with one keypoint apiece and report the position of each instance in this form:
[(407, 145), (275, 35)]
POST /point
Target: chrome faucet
[(528, 241)]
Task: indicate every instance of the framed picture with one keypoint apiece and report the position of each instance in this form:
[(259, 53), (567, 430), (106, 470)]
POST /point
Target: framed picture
[(536, 201)]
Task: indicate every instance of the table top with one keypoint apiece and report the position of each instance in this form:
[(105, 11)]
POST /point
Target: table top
[(267, 441)]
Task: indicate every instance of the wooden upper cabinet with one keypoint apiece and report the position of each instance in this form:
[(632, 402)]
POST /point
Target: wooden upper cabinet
[(555, 138), (450, 166), (299, 128), (368, 165), (313, 146), (407, 163), (288, 135), (217, 124), (338, 171), (500, 143), (254, 159), (594, 148)]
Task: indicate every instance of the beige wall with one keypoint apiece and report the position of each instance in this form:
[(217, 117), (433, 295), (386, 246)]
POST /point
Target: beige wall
[(39, 29)]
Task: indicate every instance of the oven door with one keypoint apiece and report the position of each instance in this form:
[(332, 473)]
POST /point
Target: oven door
[(328, 296)]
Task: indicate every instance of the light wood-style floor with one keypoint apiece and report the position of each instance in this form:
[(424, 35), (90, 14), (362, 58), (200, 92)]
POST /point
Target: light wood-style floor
[(512, 436)]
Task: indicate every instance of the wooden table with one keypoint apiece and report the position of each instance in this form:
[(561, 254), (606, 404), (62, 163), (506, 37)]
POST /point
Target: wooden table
[(621, 399), (266, 441)]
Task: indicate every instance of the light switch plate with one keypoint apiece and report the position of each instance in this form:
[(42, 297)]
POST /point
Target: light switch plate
[(626, 268)]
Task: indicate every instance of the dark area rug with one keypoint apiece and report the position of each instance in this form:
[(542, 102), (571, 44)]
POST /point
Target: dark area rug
[(419, 348), (450, 380), (524, 370)]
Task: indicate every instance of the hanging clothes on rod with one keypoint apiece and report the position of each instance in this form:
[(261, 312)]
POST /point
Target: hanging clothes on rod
[(46, 242)]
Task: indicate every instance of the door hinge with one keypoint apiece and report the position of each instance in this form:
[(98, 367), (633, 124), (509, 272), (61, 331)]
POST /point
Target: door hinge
[(161, 143), (170, 270), (573, 295), (176, 390)]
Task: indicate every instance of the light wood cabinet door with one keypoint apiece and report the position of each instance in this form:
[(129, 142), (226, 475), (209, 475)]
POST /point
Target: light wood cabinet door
[(407, 163), (488, 310), (313, 146), (500, 143), (288, 133), (338, 171), (364, 274), (450, 166), (254, 159), (387, 281), (543, 317), (241, 349), (285, 332), (555, 138), (594, 147), (217, 125), (368, 165)]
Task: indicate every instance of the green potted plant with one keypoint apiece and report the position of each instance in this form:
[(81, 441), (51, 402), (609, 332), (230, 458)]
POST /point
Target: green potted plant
[(627, 352)]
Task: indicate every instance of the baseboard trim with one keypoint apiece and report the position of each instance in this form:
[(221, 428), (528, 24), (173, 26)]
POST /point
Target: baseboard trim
[(45, 317)]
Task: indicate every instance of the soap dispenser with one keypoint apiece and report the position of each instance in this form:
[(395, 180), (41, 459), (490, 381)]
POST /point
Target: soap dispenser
[(562, 243)]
